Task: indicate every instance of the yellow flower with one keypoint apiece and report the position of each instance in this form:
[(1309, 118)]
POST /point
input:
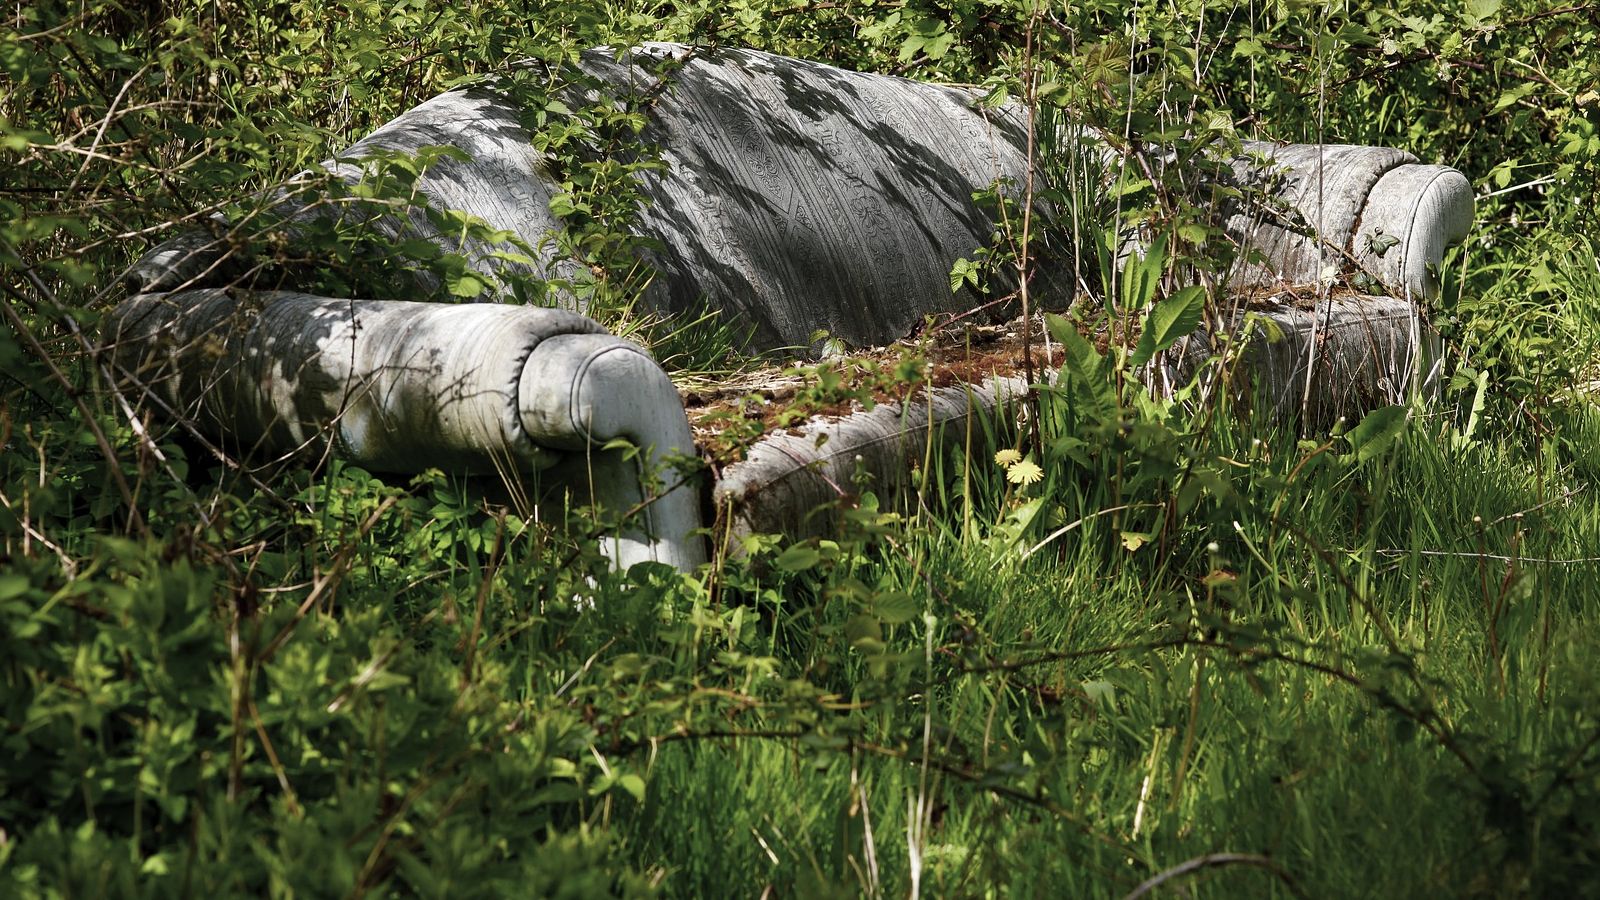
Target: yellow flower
[(1007, 457), (1025, 472)]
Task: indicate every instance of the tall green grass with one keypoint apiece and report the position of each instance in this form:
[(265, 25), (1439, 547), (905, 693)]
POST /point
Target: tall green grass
[(1356, 691), (1320, 675)]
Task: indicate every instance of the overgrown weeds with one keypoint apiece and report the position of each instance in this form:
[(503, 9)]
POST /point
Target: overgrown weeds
[(1184, 647)]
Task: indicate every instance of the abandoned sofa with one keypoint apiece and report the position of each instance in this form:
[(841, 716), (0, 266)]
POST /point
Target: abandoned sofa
[(797, 198)]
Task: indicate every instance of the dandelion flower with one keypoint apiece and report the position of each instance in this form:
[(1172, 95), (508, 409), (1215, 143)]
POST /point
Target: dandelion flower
[(1024, 472), (1007, 457)]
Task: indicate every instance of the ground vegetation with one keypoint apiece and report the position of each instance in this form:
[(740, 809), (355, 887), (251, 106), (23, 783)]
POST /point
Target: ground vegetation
[(1134, 644)]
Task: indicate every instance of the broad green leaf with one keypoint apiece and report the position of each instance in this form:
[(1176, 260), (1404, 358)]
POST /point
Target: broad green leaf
[(1060, 327), (1083, 361), (1481, 10), (1379, 243), (1376, 433), (12, 586), (1103, 693), (1084, 371), (1482, 384), (963, 272), (1193, 232), (1142, 275), (466, 284), (860, 628), (633, 784), (417, 248), (1513, 95), (1267, 325), (1128, 186), (1172, 318), (798, 558), (1354, 35), (894, 607)]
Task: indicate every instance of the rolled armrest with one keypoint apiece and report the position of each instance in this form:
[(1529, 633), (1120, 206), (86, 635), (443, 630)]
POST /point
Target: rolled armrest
[(1412, 216), (1371, 210), (580, 392), (394, 386), (477, 389)]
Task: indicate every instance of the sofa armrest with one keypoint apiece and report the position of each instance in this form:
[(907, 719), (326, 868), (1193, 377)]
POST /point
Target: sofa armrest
[(394, 386), (1356, 210), (581, 392)]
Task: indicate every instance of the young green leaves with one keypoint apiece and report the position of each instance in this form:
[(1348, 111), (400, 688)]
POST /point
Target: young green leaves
[(1172, 318)]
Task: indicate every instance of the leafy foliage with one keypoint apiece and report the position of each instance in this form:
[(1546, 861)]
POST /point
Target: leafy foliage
[(1151, 631)]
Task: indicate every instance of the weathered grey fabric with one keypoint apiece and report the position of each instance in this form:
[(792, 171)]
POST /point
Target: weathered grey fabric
[(578, 393), (797, 197), (1345, 357), (803, 197), (394, 386), (1371, 351), (794, 484), (1344, 209), (1413, 215)]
